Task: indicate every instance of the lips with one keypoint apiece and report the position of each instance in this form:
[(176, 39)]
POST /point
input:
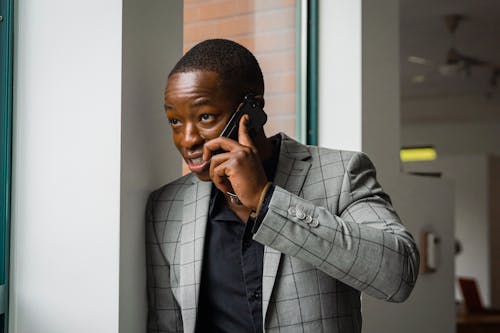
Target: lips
[(197, 164)]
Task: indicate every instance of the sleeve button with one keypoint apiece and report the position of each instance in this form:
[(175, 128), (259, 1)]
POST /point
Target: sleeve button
[(300, 214), (292, 211)]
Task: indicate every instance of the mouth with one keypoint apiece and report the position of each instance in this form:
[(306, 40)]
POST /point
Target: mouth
[(197, 164)]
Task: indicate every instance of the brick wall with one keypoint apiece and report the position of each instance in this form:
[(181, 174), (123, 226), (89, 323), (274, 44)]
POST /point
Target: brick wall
[(265, 27)]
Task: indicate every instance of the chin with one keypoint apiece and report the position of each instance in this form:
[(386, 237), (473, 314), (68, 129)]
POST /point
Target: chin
[(203, 176)]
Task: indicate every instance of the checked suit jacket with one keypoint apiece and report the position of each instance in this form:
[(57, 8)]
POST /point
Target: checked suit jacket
[(330, 233)]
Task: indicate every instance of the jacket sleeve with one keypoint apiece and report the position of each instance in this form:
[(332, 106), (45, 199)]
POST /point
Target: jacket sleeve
[(362, 243)]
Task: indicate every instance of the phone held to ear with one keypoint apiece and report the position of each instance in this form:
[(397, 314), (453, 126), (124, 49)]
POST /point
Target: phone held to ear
[(257, 118)]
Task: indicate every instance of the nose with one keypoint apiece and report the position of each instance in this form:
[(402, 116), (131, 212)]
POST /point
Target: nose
[(192, 138)]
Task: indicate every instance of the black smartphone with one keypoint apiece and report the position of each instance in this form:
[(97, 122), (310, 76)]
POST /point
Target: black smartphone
[(257, 118)]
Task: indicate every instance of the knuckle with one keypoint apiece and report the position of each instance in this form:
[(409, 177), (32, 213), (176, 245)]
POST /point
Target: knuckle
[(246, 152), (241, 154)]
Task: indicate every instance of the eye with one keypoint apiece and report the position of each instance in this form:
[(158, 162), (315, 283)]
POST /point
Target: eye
[(205, 117), (173, 121)]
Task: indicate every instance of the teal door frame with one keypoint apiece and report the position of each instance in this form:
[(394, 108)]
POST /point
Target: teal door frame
[(6, 55)]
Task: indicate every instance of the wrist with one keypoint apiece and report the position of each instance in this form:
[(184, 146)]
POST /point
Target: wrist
[(263, 193)]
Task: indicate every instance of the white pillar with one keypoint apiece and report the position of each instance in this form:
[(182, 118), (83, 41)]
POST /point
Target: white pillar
[(88, 146), (380, 82), (339, 74)]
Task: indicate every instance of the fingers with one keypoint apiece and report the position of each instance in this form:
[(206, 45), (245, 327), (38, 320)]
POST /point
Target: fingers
[(218, 171), (220, 179), (226, 144), (217, 144), (224, 168), (243, 136), (230, 161), (237, 169)]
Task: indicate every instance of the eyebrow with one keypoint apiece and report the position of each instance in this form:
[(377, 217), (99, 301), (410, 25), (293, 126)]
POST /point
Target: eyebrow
[(199, 102)]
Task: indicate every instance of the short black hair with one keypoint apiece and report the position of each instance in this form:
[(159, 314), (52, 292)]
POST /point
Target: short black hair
[(237, 67)]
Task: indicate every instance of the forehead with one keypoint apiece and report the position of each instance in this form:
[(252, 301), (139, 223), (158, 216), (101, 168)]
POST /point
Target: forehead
[(192, 82)]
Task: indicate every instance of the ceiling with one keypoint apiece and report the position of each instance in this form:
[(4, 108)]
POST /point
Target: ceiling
[(423, 33)]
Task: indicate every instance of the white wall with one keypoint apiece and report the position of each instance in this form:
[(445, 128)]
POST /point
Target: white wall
[(454, 138), (380, 79), (469, 175), (449, 108), (66, 172), (80, 170), (152, 43)]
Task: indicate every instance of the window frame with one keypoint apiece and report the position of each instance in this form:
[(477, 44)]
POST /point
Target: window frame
[(307, 69), (6, 83)]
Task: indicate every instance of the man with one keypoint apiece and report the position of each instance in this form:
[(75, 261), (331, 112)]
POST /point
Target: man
[(264, 234)]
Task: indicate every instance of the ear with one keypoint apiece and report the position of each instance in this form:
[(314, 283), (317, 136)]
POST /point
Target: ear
[(260, 99)]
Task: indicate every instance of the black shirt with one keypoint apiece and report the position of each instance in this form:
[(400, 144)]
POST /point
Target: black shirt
[(231, 282)]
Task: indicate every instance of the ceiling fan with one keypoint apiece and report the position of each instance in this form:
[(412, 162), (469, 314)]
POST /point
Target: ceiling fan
[(456, 61)]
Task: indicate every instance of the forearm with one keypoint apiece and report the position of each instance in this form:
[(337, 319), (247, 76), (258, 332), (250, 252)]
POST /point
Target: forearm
[(366, 247)]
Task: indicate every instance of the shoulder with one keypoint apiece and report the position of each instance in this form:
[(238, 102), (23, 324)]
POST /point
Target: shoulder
[(295, 149), (165, 204), (172, 191), (326, 158), (346, 160), (332, 155), (348, 157)]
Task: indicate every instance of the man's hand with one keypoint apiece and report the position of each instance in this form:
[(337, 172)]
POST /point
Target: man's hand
[(239, 169)]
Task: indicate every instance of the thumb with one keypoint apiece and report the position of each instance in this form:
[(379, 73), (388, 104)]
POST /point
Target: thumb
[(243, 136)]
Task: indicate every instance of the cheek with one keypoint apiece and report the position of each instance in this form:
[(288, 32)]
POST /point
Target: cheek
[(214, 131), (210, 133), (177, 138)]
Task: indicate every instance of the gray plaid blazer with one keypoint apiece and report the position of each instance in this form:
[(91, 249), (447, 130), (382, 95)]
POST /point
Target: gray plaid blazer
[(330, 233)]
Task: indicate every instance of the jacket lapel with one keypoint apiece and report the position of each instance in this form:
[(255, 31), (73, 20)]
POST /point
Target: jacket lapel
[(194, 222), (293, 167)]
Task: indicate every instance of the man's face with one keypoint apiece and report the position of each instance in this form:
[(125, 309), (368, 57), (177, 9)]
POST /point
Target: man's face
[(197, 109)]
